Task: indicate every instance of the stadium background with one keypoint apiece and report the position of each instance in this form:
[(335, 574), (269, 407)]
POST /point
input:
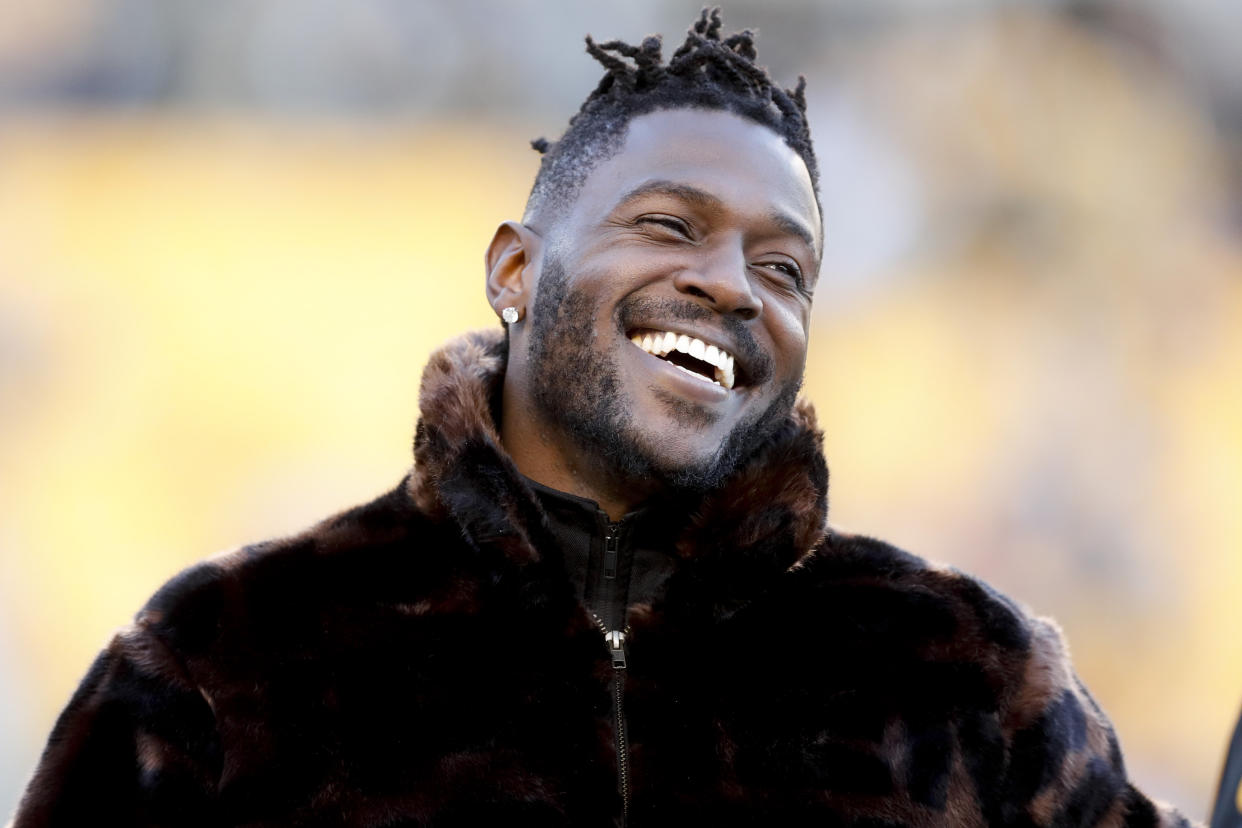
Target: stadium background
[(231, 233)]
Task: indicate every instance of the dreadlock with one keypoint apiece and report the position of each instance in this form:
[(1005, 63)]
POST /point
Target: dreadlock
[(706, 72)]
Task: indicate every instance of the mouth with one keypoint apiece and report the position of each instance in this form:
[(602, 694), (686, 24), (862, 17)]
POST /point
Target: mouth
[(701, 360)]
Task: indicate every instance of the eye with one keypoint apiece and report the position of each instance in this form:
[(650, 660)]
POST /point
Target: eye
[(786, 277), (788, 268), (666, 222)]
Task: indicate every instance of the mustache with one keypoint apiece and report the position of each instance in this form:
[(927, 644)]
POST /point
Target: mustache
[(638, 311)]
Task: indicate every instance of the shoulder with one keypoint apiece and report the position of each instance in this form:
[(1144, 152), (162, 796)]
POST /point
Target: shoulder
[(940, 616), (286, 586), (1004, 674), (935, 603)]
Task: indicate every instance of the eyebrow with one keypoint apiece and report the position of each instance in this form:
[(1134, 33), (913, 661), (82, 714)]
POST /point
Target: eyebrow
[(705, 200)]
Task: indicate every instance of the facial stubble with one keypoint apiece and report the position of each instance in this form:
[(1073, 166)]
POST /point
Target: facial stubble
[(578, 388)]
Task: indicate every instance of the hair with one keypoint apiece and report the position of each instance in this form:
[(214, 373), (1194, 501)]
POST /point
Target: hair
[(706, 72)]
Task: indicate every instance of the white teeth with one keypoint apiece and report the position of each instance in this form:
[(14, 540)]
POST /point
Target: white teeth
[(697, 375), (661, 344)]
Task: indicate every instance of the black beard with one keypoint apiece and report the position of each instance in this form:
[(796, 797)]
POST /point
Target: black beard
[(577, 390)]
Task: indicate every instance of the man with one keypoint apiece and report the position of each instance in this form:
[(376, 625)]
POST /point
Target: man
[(606, 593)]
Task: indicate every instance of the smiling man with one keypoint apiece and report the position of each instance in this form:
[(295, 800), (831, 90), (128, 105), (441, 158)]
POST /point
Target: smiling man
[(607, 592), (694, 250)]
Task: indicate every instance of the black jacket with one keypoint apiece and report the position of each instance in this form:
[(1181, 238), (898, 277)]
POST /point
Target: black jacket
[(425, 660)]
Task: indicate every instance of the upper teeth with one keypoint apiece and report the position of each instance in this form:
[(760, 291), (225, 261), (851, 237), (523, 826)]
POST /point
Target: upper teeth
[(661, 343)]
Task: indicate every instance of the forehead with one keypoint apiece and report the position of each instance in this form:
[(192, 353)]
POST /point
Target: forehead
[(743, 164)]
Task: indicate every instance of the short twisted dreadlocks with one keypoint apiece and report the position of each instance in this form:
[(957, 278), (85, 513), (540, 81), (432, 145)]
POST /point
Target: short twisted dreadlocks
[(706, 72)]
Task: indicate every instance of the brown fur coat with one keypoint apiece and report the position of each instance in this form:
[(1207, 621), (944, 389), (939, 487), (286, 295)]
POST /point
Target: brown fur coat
[(422, 660)]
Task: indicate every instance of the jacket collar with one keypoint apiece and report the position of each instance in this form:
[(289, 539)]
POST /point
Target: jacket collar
[(769, 514)]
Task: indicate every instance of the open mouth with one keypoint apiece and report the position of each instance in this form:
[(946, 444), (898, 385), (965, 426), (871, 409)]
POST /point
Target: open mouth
[(694, 356)]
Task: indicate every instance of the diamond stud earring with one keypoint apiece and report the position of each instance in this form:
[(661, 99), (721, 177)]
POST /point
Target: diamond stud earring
[(510, 315)]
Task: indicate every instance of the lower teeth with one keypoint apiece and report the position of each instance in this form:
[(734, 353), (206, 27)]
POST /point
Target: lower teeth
[(694, 374)]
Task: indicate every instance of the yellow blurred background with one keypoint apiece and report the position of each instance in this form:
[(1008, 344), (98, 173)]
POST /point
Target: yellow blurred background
[(223, 263)]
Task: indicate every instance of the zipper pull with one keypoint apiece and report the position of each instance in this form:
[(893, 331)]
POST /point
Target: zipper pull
[(616, 646), (611, 542)]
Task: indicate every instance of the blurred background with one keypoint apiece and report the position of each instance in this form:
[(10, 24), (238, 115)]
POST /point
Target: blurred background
[(231, 233)]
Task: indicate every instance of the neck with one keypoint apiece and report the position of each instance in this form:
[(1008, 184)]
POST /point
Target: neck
[(463, 474), (551, 459)]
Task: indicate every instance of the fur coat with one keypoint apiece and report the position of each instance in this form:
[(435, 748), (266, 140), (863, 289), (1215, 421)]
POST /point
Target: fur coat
[(421, 660)]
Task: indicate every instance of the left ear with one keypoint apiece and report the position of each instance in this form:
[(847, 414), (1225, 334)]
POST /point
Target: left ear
[(512, 260)]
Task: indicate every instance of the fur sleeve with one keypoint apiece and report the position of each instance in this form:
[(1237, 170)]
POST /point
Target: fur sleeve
[(1064, 765), (136, 745)]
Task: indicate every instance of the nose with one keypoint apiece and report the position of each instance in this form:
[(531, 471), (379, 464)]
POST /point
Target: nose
[(721, 277)]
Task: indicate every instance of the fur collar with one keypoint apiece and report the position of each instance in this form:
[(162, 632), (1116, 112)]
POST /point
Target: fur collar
[(769, 514)]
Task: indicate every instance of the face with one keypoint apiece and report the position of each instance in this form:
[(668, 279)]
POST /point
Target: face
[(668, 332)]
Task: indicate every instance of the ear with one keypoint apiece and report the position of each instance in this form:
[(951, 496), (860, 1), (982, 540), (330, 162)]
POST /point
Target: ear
[(512, 262)]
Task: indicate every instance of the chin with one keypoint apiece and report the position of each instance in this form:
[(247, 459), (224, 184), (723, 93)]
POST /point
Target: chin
[(696, 459), (686, 469)]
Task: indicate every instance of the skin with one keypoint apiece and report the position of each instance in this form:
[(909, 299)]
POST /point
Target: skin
[(703, 223)]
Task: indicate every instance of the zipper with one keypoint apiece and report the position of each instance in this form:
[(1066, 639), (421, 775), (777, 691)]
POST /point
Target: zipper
[(615, 640), (612, 542)]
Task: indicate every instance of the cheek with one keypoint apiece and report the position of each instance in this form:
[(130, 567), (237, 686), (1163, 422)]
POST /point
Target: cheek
[(788, 328), (627, 265)]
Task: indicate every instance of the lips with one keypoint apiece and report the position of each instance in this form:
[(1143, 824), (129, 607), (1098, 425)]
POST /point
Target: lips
[(701, 360)]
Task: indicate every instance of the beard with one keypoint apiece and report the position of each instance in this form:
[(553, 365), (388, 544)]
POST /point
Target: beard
[(578, 388)]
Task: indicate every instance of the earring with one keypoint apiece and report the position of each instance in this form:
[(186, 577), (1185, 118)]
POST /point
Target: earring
[(510, 315)]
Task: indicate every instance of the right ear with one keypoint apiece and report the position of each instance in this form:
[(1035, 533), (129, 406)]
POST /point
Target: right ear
[(512, 261)]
